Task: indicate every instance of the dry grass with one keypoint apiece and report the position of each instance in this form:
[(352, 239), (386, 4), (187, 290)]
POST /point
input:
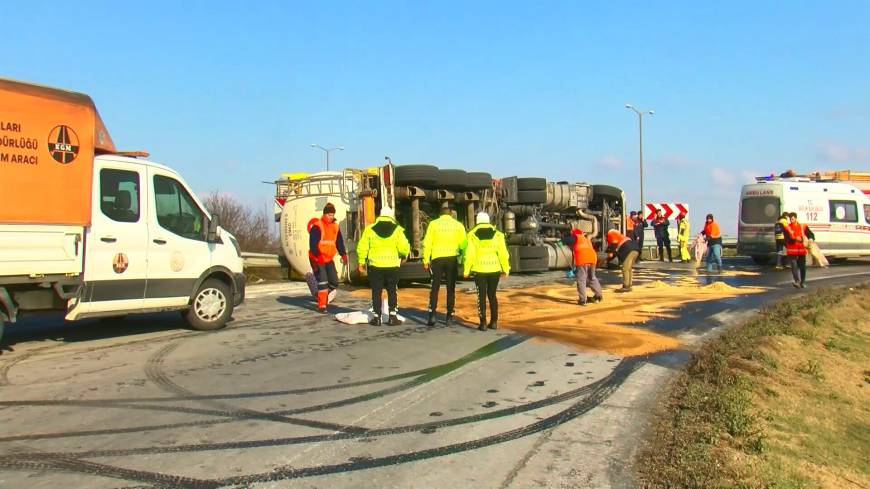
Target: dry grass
[(780, 402)]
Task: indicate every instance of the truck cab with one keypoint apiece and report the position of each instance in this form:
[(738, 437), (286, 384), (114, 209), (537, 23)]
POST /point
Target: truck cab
[(152, 246), (92, 231)]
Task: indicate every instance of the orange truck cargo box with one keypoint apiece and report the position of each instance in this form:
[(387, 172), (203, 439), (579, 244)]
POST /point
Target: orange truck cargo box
[(48, 138)]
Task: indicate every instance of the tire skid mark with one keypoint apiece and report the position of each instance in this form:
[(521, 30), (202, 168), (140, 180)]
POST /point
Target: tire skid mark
[(426, 375), (155, 479), (444, 423), (602, 392), (154, 372)]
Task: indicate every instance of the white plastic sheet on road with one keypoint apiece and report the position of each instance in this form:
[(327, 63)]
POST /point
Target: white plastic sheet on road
[(363, 317)]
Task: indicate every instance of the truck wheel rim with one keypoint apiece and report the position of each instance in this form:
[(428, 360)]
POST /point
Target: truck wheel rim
[(210, 304)]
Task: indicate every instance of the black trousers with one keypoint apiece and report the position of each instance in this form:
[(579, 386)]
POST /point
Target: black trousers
[(380, 279), (443, 269), (487, 284), (798, 268), (664, 243), (327, 275)]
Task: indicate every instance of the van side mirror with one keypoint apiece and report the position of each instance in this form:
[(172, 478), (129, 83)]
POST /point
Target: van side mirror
[(213, 224)]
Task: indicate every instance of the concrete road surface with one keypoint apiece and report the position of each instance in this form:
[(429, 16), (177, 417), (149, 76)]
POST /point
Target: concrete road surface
[(285, 397)]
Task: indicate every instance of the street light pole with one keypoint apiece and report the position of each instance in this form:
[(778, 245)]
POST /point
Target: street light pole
[(327, 151), (640, 114)]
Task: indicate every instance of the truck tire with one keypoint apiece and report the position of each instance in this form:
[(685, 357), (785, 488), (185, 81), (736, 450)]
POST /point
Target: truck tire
[(529, 259), (211, 307), (478, 180), (531, 183), (605, 191), (417, 175), (2, 327), (762, 260), (452, 179), (531, 196)]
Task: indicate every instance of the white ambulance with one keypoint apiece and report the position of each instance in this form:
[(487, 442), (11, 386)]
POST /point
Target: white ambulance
[(837, 213)]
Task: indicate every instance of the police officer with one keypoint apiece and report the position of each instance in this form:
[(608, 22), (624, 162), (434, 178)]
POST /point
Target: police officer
[(324, 241), (381, 249), (444, 241), (487, 256), (663, 238), (683, 238)]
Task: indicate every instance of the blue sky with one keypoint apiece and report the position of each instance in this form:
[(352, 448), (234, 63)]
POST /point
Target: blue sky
[(232, 94)]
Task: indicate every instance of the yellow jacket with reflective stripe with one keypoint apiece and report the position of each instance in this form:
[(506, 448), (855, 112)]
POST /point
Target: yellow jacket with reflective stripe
[(445, 236), (683, 230), (485, 251), (383, 244)]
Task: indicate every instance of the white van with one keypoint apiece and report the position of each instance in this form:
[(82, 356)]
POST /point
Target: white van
[(837, 213), (93, 232)]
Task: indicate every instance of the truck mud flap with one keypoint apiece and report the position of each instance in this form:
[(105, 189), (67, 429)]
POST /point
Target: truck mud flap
[(526, 259)]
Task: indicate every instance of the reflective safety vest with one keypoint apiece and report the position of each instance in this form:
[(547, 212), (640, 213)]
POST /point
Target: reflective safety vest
[(584, 253), (614, 237), (383, 244), (445, 237), (794, 246), (711, 230), (485, 254), (683, 231), (326, 245)]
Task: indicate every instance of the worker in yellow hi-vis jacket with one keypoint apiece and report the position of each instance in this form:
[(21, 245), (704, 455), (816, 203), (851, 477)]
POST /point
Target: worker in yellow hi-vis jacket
[(487, 256), (381, 249), (442, 245)]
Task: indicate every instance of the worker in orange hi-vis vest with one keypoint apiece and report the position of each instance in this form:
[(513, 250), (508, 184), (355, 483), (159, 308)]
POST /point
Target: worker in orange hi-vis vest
[(585, 259), (629, 223), (618, 245), (714, 243), (797, 236), (324, 242)]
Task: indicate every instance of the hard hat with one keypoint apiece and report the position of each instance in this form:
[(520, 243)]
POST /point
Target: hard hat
[(387, 212), (482, 218)]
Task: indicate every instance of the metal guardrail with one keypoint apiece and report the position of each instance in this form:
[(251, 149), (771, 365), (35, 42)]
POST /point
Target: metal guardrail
[(261, 260)]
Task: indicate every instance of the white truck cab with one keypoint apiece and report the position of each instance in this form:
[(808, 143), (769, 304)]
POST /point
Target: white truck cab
[(149, 248), (93, 232)]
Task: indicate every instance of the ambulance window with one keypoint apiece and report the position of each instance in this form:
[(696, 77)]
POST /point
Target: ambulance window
[(759, 210), (867, 213), (844, 211), (176, 209), (119, 195)]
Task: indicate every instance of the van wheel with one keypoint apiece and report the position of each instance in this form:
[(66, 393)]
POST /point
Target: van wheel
[(211, 307)]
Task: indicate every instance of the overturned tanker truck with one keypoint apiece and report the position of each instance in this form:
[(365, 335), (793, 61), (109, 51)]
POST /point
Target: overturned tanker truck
[(531, 211)]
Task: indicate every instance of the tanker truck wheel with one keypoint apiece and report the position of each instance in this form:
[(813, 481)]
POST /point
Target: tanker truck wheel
[(479, 180), (211, 307), (452, 179), (419, 175)]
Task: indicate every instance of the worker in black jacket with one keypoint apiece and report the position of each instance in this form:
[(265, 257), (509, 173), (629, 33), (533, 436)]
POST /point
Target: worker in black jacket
[(663, 239)]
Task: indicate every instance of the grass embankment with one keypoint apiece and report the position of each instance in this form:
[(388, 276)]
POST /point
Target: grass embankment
[(780, 402)]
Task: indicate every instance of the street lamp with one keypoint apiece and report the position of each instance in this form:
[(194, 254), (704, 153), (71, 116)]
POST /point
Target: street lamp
[(640, 114), (327, 151)]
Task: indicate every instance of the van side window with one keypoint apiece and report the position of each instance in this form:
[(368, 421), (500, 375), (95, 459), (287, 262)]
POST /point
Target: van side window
[(119, 195), (176, 209), (844, 211), (867, 213)]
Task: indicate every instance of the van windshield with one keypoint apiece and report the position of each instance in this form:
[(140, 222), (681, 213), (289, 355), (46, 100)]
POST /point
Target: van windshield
[(759, 210)]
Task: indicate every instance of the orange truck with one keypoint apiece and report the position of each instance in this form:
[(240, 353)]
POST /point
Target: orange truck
[(91, 231)]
